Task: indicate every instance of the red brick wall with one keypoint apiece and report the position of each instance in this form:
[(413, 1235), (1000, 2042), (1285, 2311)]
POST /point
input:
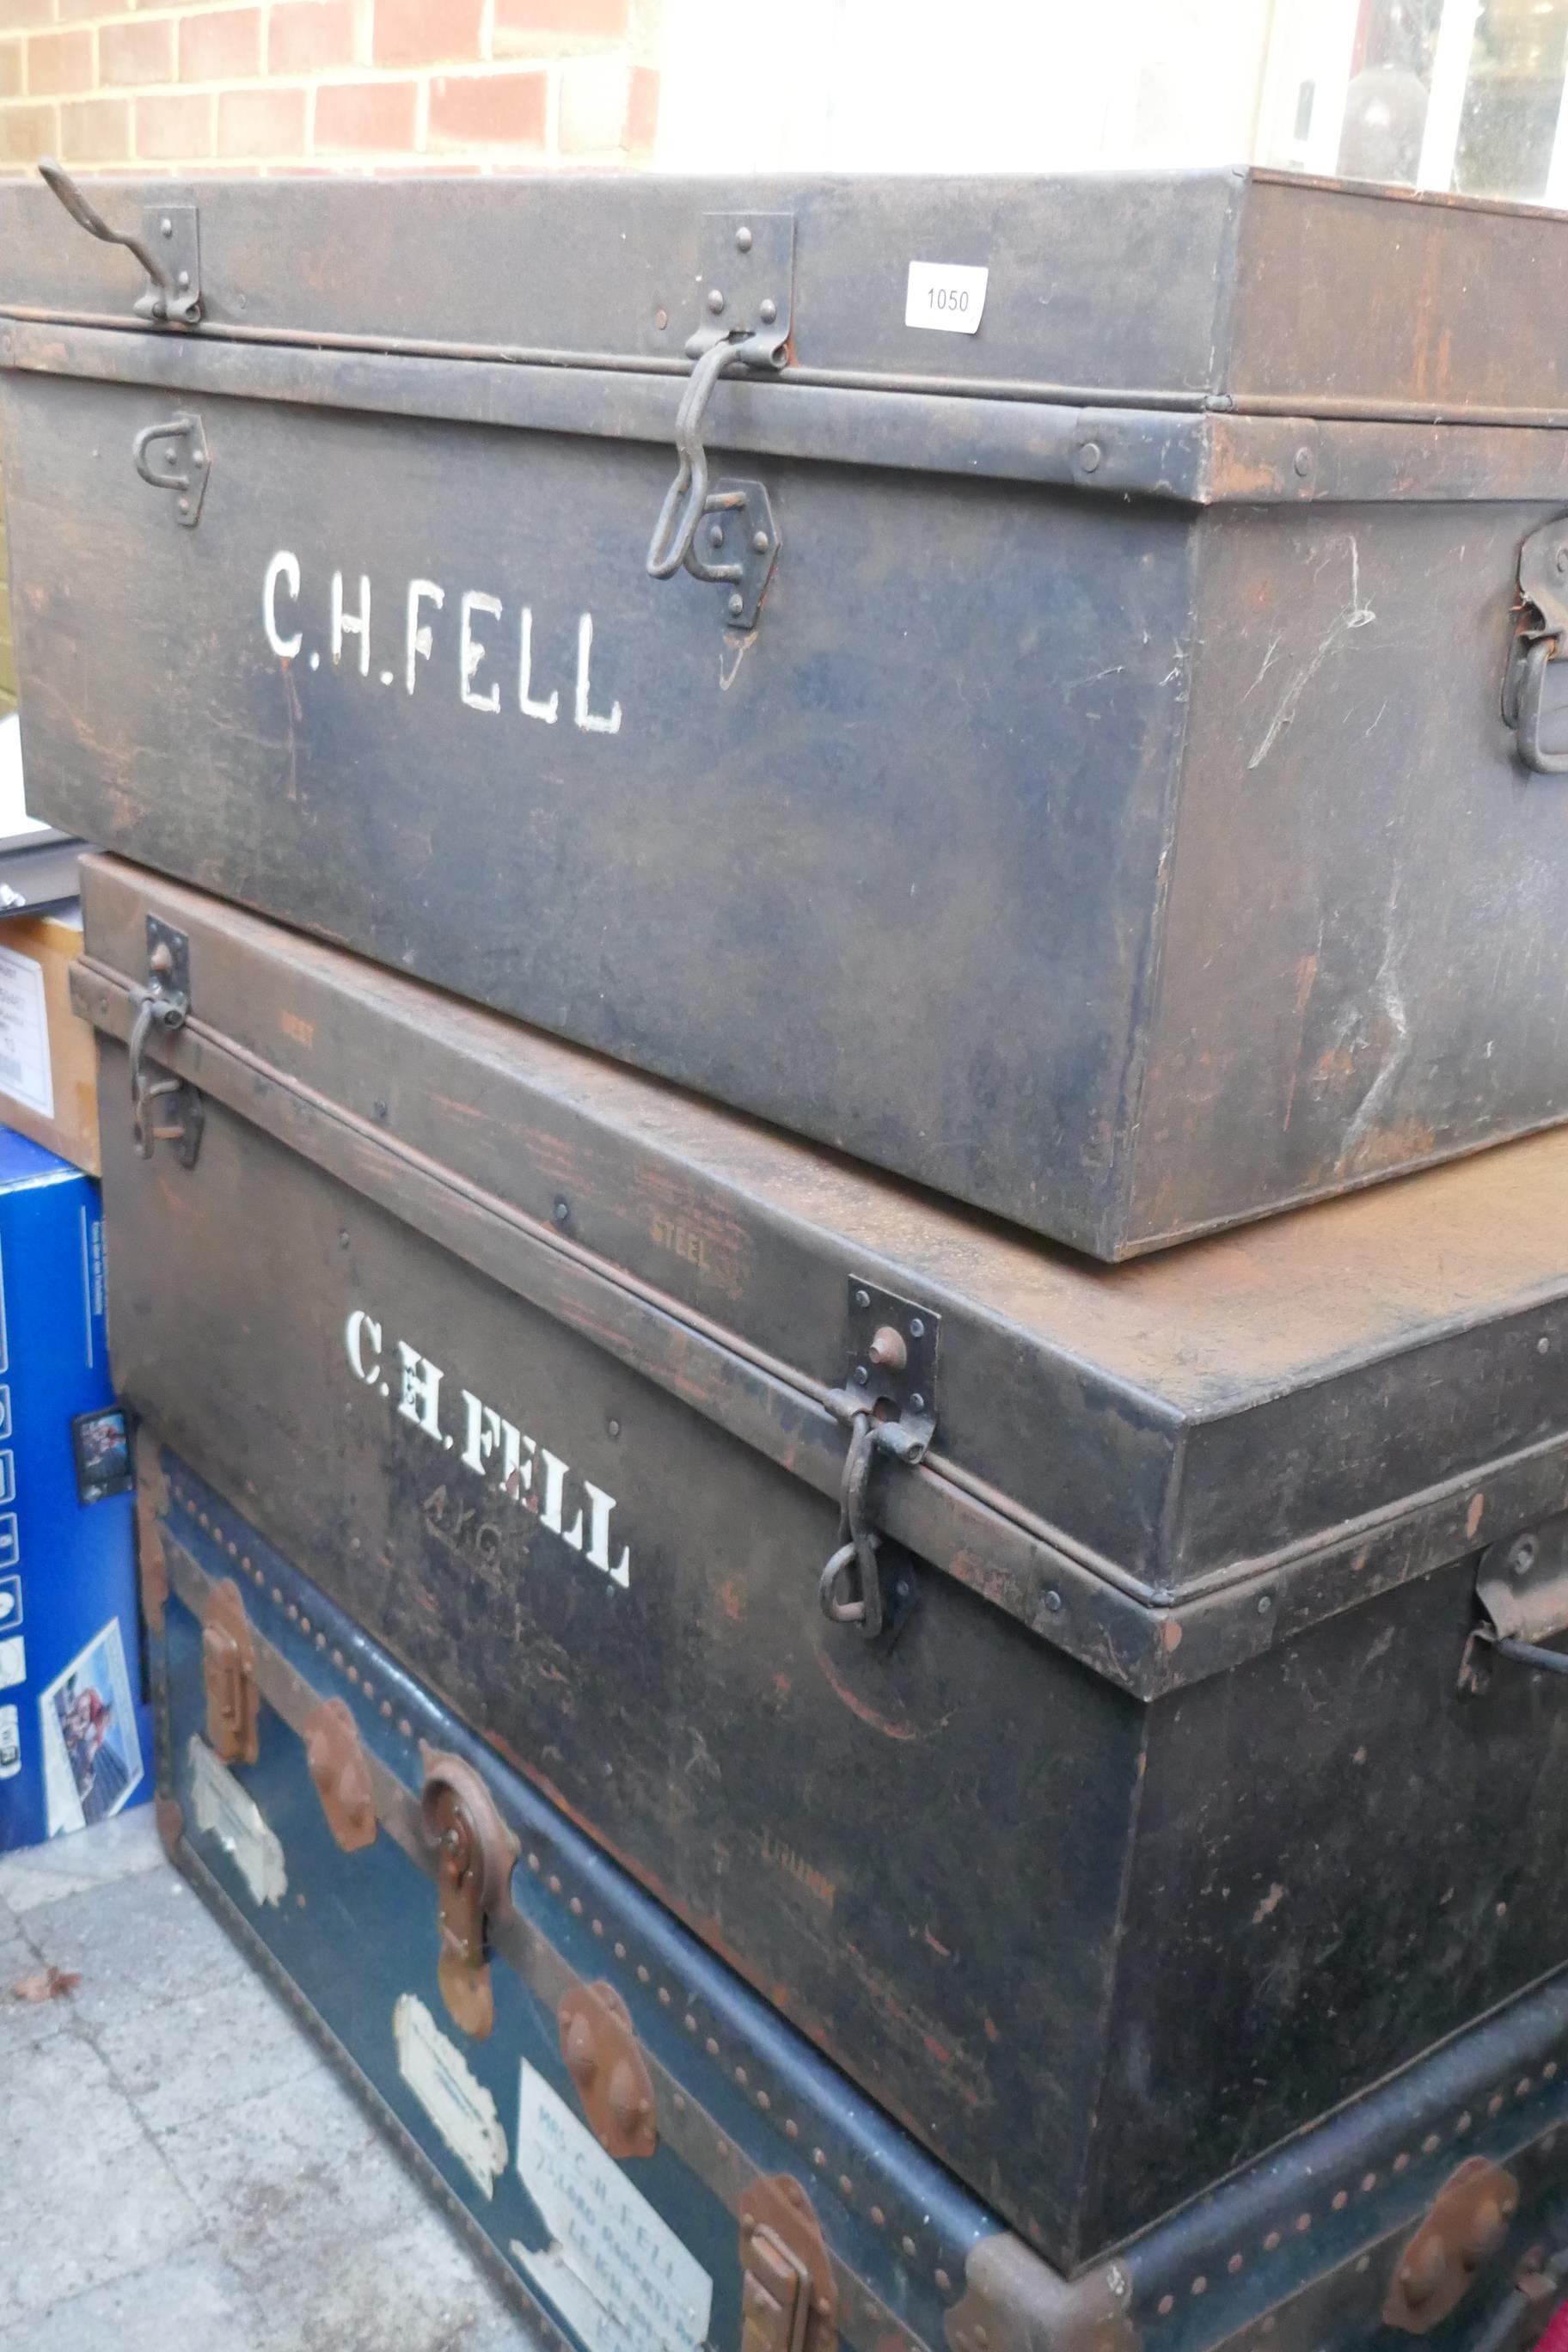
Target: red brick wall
[(338, 84)]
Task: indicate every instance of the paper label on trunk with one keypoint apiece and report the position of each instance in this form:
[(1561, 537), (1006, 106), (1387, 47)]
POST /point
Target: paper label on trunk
[(224, 1811), (615, 2270), (450, 2093), (947, 295), (24, 1073)]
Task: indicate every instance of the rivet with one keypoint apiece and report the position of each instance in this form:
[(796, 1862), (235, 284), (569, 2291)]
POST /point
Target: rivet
[(613, 1428), (620, 1951), (1303, 461), (711, 2047), (562, 1211), (877, 2217), (597, 1926), (743, 240), (184, 506), (847, 2188), (862, 1298), (761, 543), (715, 301), (818, 2158), (575, 1905), (553, 1883), (165, 226), (715, 534), (767, 309), (907, 2244), (378, 1110), (183, 279), (1167, 2304), (791, 2129), (642, 1974), (1265, 1603), (1341, 2196), (1088, 456), (1053, 1601), (737, 604), (917, 1402), (1234, 2265), (1521, 1556), (197, 459), (663, 1991), (861, 1374), (1200, 2285), (944, 2282), (740, 2074)]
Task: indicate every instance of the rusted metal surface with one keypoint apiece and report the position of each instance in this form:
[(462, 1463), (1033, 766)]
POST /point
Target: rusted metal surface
[(152, 1509), (658, 1296), (609, 2070), (1297, 2250), (1248, 604), (475, 1854), (228, 1661), (338, 1767), (1467, 2225)]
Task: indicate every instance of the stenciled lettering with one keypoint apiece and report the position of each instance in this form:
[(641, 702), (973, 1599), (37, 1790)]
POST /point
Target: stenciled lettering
[(527, 1472), (478, 641)]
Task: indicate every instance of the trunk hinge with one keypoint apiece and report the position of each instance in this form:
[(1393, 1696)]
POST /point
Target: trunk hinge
[(229, 1671), (474, 1854), (1521, 1593), (337, 1765), (789, 2297), (168, 247), (163, 1108), (747, 281), (1466, 2226), (600, 2047), (889, 1400)]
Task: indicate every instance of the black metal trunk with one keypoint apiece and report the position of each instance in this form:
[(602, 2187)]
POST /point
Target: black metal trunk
[(1101, 808), (1175, 1802)]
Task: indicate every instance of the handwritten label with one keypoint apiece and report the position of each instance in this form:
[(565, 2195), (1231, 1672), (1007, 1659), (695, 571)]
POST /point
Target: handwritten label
[(450, 2093), (947, 295), (226, 1812), (614, 2271)]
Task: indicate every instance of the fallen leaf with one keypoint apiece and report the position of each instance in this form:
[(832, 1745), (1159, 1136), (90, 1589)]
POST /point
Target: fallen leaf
[(49, 1984)]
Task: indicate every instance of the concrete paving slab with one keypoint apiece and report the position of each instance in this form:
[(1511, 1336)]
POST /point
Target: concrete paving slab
[(182, 2165), (122, 1848)]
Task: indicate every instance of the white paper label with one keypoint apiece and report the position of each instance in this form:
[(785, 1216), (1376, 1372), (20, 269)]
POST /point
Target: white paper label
[(947, 295), (615, 2272), (25, 1072), (13, 1661), (10, 1744), (226, 1812), (450, 2093)]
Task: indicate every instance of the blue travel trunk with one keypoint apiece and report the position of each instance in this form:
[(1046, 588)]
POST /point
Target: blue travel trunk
[(75, 1727), (644, 2150)]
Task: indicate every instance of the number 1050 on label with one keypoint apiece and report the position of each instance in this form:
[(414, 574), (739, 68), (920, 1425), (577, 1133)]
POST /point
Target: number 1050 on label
[(947, 295)]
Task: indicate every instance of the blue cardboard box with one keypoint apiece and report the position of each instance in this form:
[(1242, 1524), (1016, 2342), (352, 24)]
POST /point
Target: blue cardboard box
[(75, 1730)]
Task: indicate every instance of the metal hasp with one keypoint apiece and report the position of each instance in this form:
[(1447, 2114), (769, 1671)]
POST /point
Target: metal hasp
[(747, 285), (163, 441), (889, 1400), (228, 1670), (162, 1006), (337, 1765), (600, 2048), (168, 247), (789, 2297), (474, 1854), (1466, 2225), (1521, 1591), (1541, 640)]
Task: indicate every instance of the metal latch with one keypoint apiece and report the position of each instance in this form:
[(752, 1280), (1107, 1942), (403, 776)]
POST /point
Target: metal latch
[(163, 441), (162, 1006), (475, 1854), (337, 1765), (1541, 639), (168, 247), (1521, 1591), (889, 1400), (229, 1671), (600, 2048), (789, 2299), (747, 279), (1466, 2226)]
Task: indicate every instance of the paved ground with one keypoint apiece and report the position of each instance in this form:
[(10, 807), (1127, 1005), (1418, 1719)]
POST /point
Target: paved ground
[(177, 2164)]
